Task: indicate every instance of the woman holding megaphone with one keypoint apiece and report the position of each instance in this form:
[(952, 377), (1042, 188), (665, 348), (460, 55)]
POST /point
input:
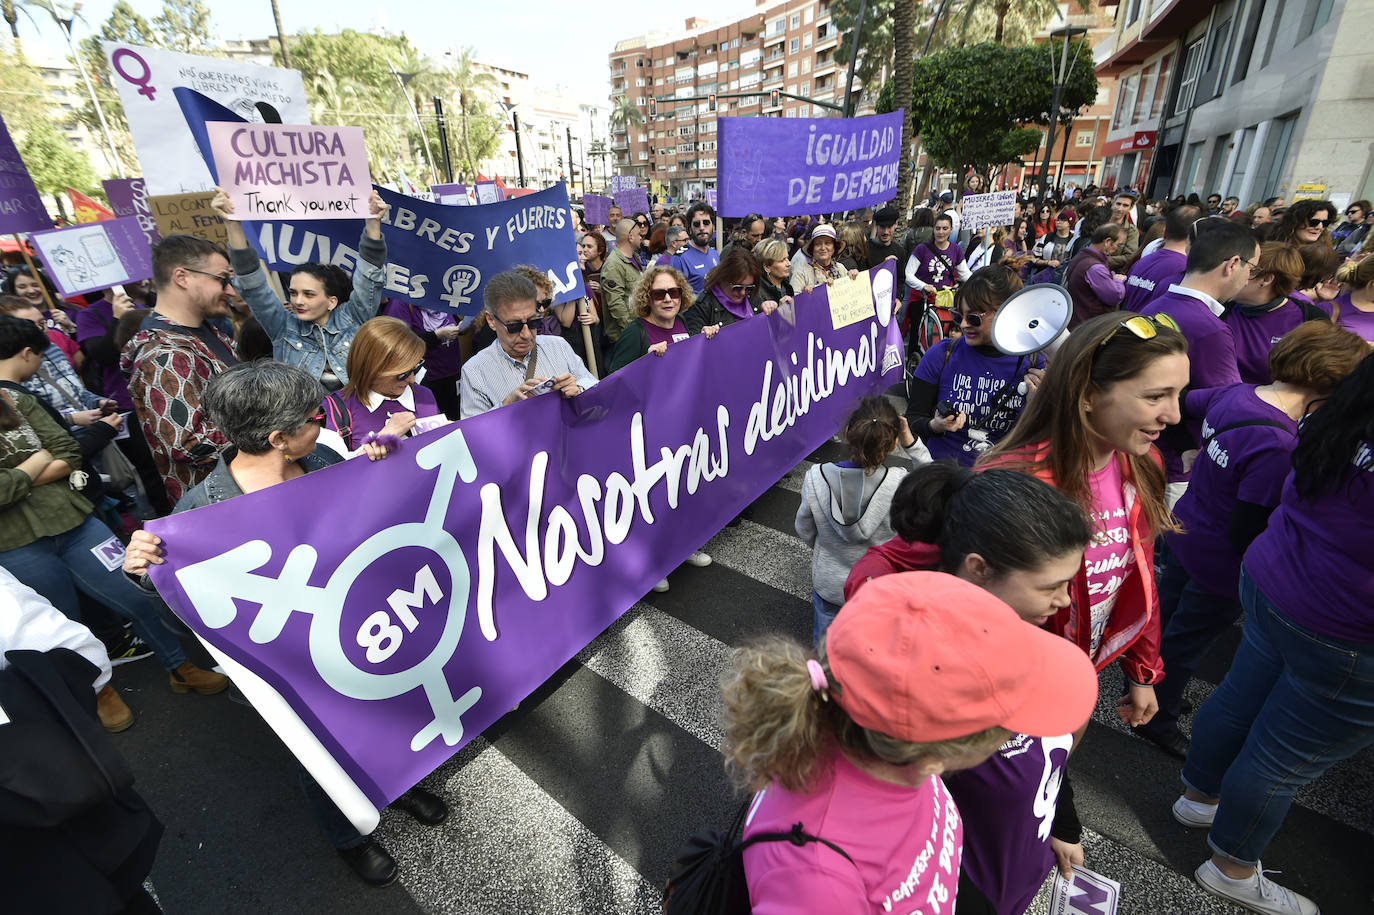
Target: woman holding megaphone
[(965, 396)]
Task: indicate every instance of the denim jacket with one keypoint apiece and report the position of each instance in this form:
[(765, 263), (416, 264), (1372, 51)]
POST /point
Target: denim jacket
[(305, 343)]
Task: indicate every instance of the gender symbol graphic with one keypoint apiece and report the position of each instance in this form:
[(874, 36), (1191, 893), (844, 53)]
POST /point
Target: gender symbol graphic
[(394, 660)]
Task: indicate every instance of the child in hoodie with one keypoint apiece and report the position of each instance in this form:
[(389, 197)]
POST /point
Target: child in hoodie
[(845, 505)]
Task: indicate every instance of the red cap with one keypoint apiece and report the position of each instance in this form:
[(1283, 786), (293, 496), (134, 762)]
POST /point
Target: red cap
[(925, 656)]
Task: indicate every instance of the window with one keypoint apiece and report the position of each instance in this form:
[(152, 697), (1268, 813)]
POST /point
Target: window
[(795, 21), (806, 15), (1166, 70), (1125, 101), (793, 46), (1220, 150), (1084, 138), (791, 112), (806, 65), (1243, 149), (792, 70), (1188, 174), (1247, 41), (1187, 84), (643, 155), (1272, 157), (1212, 79), (640, 82), (1132, 11), (806, 40), (1316, 15), (1147, 91)]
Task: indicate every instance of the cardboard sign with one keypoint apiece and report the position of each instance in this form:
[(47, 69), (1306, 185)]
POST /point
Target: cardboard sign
[(96, 255), (851, 301), (632, 201), (596, 209), (145, 79), (288, 171), (983, 210), (21, 207), (188, 214)]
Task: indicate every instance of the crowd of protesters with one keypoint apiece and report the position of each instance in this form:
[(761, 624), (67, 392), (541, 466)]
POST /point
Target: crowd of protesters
[(1197, 451)]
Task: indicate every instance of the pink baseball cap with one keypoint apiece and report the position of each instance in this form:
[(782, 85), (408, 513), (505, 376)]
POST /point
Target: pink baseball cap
[(926, 656)]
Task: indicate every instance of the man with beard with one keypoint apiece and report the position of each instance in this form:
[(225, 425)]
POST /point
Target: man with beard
[(884, 244), (698, 258)]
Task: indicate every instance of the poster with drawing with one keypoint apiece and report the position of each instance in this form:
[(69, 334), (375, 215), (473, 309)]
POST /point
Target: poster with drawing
[(96, 255)]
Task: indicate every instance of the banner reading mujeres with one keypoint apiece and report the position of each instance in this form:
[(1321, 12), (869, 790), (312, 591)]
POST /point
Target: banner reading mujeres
[(791, 166), (460, 573)]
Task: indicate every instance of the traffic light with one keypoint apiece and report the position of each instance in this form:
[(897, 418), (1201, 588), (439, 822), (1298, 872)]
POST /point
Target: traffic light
[(774, 99), (653, 107), (711, 102)]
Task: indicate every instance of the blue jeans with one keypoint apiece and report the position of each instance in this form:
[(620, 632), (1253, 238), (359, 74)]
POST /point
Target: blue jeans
[(1191, 620), (825, 615), (58, 566), (1294, 703), (337, 828)]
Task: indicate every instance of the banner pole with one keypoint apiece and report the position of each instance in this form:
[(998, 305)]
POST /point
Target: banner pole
[(28, 259), (587, 340)]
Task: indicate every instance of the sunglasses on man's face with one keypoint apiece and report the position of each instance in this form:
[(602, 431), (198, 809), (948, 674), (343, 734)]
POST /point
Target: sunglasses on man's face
[(514, 327), (666, 295), (701, 223), (225, 279)]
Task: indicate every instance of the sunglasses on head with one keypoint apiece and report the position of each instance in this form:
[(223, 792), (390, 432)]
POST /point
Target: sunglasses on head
[(1144, 327), (514, 327), (1315, 223), (666, 295), (406, 375)]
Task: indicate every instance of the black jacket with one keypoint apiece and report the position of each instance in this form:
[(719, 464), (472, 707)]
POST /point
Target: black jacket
[(707, 310)]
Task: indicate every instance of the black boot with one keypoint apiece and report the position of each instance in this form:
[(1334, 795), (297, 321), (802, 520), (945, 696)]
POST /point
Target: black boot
[(426, 807), (371, 862)]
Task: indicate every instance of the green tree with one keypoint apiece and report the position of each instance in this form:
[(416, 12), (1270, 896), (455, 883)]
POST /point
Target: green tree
[(625, 115), (183, 25), (1011, 23), (478, 123), (875, 39), (54, 164), (124, 24), (23, 97), (979, 131), (10, 10)]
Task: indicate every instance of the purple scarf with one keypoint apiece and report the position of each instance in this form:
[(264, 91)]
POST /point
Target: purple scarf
[(740, 310)]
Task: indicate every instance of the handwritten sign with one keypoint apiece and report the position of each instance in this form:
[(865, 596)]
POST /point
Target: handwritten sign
[(792, 166), (851, 301), (95, 255), (983, 210), (632, 201), (188, 214), (488, 192), (289, 171), (129, 197), (596, 209), (623, 183), (21, 209), (146, 78)]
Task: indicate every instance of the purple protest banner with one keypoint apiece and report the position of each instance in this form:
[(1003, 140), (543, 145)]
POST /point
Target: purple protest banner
[(292, 171), (129, 197), (95, 255), (623, 182), (791, 166), (452, 194), (711, 197), (596, 209), (21, 208), (378, 635), (634, 200)]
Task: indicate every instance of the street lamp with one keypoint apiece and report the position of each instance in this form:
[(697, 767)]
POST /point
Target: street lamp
[(1061, 75), (65, 24)]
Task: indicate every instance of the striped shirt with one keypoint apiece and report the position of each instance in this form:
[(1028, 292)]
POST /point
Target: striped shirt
[(490, 376)]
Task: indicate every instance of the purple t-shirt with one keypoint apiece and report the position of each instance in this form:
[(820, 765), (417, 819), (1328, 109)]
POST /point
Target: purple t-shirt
[(931, 266), (1151, 276), (1245, 464), (365, 420), (1352, 319), (1008, 803), (658, 334), (95, 320), (1211, 358), (694, 264), (442, 361), (1256, 328), (1313, 561), (969, 379)]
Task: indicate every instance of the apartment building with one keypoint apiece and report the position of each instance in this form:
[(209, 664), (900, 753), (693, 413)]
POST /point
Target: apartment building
[(788, 46), (1251, 98)]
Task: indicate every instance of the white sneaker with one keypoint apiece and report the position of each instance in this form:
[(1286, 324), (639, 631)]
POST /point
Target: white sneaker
[(661, 586), (1194, 814), (1257, 893), (699, 559)]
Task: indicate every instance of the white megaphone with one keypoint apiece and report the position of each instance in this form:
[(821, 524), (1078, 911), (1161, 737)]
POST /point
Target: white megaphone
[(1033, 320)]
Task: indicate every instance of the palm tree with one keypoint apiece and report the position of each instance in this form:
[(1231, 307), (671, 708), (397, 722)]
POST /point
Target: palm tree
[(281, 36), (10, 10), (624, 114), (1030, 14), (469, 85), (903, 71)]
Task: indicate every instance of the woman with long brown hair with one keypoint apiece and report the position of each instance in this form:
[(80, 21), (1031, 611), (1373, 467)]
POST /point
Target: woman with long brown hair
[(1089, 429), (727, 293)]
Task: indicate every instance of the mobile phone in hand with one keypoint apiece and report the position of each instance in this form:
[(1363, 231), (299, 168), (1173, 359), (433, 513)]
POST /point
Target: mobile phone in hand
[(542, 387)]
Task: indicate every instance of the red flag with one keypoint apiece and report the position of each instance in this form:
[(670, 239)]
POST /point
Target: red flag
[(482, 178), (501, 184), (86, 209)]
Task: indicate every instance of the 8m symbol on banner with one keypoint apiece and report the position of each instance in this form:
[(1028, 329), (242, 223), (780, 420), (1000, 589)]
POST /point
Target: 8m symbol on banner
[(358, 650)]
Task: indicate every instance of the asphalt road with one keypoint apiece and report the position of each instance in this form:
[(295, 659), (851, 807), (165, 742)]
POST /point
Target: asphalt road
[(578, 800)]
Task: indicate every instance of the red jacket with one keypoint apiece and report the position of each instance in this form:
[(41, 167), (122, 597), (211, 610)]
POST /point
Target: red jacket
[(896, 555), (1133, 630)]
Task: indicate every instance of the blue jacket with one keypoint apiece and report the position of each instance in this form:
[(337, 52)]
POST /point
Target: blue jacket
[(304, 343)]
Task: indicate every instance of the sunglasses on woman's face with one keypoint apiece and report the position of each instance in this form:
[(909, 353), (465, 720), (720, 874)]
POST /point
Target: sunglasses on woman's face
[(1315, 223), (973, 318), (666, 295), (405, 376), (744, 288)]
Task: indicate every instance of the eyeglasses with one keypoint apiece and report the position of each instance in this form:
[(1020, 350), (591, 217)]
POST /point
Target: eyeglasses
[(1314, 223), (405, 376), (317, 419), (973, 318), (1144, 327), (1253, 265), (744, 288), (702, 222), (514, 327), (225, 279), (666, 295)]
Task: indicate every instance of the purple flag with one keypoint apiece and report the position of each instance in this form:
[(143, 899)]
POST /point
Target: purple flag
[(633, 200), (21, 207), (711, 198), (95, 255), (129, 197), (596, 209), (791, 166), (391, 627)]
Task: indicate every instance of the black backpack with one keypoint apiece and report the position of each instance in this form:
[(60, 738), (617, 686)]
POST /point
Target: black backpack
[(708, 875)]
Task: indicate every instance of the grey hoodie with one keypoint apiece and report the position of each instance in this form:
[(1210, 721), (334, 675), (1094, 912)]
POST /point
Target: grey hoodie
[(843, 512)]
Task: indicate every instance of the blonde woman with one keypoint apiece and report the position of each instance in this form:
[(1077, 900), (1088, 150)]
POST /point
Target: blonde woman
[(775, 283)]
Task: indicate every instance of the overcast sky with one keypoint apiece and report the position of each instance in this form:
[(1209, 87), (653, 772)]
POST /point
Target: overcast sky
[(541, 40)]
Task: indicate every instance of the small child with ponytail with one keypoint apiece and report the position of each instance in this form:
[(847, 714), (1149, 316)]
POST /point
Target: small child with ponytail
[(845, 505)]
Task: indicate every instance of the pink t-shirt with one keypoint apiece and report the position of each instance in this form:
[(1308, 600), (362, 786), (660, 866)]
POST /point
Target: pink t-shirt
[(1109, 558), (906, 844)]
